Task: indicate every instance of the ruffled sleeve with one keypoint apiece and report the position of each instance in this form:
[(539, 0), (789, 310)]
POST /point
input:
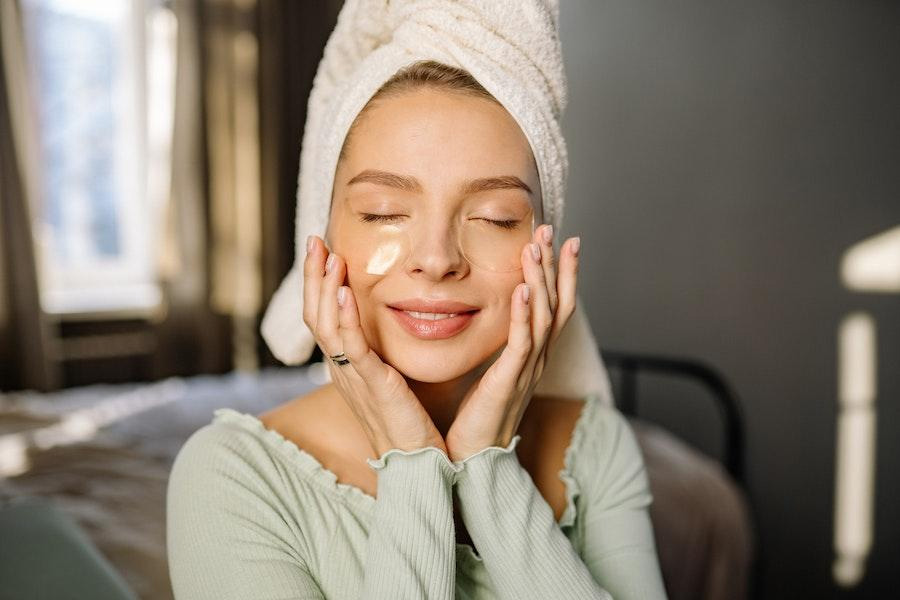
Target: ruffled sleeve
[(523, 548), (412, 544)]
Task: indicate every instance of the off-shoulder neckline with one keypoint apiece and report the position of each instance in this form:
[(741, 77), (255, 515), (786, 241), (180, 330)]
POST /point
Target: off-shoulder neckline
[(327, 479)]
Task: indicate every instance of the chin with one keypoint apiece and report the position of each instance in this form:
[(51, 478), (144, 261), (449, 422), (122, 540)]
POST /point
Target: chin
[(430, 362)]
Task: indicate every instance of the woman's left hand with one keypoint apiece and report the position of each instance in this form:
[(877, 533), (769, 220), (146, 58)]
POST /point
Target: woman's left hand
[(492, 409)]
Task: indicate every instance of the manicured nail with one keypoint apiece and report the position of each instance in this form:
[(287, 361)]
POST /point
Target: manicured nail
[(576, 244), (342, 295), (309, 244), (526, 293), (548, 234), (329, 264), (536, 252)]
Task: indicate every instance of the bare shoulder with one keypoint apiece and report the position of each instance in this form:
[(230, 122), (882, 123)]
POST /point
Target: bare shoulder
[(308, 405), (320, 423), (551, 418), (301, 420), (546, 430)]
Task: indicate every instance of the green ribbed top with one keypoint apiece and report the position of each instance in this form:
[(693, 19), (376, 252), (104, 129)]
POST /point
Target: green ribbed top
[(253, 516)]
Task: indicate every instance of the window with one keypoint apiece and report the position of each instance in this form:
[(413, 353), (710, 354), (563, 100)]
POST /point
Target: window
[(102, 78)]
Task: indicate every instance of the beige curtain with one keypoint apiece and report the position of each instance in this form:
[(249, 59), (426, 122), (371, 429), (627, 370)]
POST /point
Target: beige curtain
[(182, 246), (25, 331), (234, 170), (183, 252), (210, 255)]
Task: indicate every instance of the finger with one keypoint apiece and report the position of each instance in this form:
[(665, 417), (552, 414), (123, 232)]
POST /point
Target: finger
[(548, 262), (566, 287), (327, 318), (313, 271), (355, 345), (507, 369), (541, 317)]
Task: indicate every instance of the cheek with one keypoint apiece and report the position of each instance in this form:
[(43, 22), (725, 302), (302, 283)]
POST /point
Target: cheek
[(505, 284), (502, 287), (362, 284)]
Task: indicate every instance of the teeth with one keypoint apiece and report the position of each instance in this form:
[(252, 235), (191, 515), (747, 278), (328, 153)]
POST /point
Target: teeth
[(430, 316)]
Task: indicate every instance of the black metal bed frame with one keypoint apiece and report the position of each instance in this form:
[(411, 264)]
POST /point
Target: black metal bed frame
[(631, 364)]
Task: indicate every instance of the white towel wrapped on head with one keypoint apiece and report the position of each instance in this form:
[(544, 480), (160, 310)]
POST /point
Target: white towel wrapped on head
[(512, 48)]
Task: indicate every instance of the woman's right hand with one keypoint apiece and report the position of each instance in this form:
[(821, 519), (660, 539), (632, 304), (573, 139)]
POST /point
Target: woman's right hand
[(386, 407)]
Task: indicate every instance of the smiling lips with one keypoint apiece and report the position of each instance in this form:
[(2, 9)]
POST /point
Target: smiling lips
[(433, 319)]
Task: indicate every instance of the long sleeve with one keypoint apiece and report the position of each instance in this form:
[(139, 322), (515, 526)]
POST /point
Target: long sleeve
[(525, 552), (232, 531), (619, 548), (412, 543), (523, 548), (224, 531)]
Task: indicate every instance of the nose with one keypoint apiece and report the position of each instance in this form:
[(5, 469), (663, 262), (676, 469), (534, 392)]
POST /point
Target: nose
[(435, 254)]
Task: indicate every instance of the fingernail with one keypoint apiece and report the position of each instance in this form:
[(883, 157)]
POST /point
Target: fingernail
[(576, 244), (329, 264), (548, 234), (309, 244), (341, 295), (536, 252), (526, 293)]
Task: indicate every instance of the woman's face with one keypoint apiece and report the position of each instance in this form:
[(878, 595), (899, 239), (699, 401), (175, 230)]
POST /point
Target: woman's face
[(437, 142)]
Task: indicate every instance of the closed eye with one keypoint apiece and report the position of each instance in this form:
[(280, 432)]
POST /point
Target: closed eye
[(507, 224), (370, 218)]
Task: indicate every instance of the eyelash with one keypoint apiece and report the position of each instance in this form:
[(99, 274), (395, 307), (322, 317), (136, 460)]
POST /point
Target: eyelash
[(370, 218)]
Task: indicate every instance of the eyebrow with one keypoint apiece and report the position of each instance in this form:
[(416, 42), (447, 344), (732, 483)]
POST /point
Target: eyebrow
[(411, 184)]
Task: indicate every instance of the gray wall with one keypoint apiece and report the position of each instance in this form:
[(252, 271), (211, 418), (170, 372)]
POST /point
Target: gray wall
[(723, 155)]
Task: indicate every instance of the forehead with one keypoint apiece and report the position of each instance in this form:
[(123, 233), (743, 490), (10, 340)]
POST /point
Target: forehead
[(440, 138)]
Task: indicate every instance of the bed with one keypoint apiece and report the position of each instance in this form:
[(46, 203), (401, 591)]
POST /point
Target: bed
[(101, 454)]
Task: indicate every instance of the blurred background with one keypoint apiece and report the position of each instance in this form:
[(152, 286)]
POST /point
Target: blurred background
[(733, 176)]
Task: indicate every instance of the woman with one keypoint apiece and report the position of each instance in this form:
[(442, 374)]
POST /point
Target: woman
[(438, 300)]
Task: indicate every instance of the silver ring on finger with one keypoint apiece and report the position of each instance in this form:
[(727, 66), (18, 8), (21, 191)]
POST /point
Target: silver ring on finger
[(340, 359)]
